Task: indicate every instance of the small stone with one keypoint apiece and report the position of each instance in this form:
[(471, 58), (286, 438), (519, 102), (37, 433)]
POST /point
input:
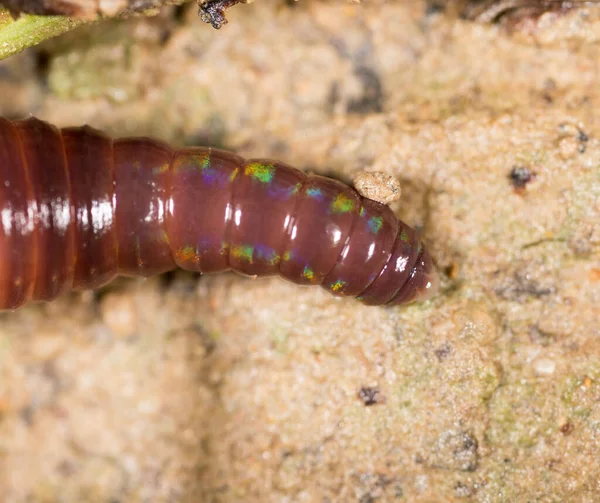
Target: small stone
[(378, 186), (544, 366)]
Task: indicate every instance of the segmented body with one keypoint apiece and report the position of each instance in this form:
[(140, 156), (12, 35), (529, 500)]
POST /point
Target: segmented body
[(78, 208)]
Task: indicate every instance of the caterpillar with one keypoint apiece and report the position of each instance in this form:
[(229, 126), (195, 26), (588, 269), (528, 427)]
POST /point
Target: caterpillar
[(78, 208)]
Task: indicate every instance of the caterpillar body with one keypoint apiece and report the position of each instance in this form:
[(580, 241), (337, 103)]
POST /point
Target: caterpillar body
[(78, 208)]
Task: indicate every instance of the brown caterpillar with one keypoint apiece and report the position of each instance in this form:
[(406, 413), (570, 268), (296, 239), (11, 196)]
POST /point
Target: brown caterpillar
[(78, 208)]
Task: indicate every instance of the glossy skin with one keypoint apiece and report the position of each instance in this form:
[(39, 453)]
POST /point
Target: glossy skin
[(77, 208)]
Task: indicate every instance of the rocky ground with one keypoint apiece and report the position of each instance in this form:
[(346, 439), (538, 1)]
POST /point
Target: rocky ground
[(225, 389)]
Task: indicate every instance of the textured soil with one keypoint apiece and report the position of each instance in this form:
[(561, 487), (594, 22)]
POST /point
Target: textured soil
[(226, 389)]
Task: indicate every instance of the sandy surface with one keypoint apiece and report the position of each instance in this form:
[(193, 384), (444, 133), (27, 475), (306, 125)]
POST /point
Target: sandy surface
[(224, 389)]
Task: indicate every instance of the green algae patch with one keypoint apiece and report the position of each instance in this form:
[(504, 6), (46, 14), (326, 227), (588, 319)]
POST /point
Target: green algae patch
[(17, 35)]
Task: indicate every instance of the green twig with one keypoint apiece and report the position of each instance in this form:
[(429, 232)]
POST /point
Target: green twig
[(16, 35)]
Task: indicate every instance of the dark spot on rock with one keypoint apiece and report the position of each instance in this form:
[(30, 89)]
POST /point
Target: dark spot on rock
[(443, 351), (369, 395), (520, 285), (581, 136), (520, 176), (567, 428), (567, 129), (371, 99), (583, 139), (213, 11)]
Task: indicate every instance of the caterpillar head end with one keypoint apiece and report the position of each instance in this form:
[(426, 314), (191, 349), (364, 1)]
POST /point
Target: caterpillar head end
[(422, 284), (430, 285)]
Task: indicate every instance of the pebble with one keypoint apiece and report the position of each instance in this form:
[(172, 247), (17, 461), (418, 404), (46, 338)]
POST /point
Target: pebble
[(378, 186)]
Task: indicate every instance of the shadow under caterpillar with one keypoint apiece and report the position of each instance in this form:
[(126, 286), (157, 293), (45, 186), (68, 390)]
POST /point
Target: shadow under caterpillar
[(77, 208)]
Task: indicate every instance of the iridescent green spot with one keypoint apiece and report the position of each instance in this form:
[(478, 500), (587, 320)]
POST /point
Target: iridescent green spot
[(342, 204), (297, 188), (261, 172), (308, 273), (312, 192), (375, 224), (287, 255), (404, 237), (233, 174), (243, 252), (362, 211), (338, 285)]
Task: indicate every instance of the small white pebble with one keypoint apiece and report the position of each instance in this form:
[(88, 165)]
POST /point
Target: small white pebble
[(378, 186), (544, 366)]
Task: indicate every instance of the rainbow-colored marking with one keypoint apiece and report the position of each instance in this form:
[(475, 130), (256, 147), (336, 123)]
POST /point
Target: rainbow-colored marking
[(338, 286), (261, 172), (404, 237), (210, 174), (267, 254), (186, 254), (314, 193), (201, 162), (342, 204), (375, 224), (243, 253), (308, 273)]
